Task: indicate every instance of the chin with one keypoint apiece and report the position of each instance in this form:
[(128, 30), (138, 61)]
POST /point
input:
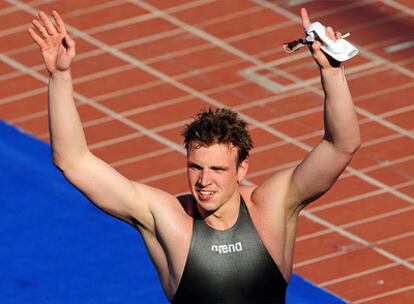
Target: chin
[(209, 206)]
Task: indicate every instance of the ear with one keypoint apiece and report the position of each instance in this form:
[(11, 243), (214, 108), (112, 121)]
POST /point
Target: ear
[(242, 170)]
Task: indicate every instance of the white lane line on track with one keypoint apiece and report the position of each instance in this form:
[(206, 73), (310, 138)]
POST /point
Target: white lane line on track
[(385, 294), (405, 9), (399, 47), (356, 275), (97, 106), (254, 60), (358, 239), (12, 9)]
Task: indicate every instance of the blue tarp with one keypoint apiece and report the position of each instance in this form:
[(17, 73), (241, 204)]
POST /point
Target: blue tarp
[(56, 247)]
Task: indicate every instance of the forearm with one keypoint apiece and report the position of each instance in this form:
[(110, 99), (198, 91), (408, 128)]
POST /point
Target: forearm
[(340, 119), (66, 134)]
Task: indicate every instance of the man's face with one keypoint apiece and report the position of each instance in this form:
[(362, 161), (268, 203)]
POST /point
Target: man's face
[(213, 175)]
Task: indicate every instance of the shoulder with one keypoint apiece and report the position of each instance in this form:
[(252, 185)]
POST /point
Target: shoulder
[(159, 206), (246, 192), (275, 191)]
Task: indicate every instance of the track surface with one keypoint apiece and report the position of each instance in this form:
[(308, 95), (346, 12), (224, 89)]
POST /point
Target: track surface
[(145, 67)]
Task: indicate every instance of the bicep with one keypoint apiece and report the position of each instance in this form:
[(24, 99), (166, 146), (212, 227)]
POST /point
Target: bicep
[(317, 172), (111, 191)]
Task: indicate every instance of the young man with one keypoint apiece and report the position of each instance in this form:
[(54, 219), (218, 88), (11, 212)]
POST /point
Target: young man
[(225, 242)]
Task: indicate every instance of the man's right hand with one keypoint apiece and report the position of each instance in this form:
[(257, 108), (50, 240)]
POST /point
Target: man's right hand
[(58, 49)]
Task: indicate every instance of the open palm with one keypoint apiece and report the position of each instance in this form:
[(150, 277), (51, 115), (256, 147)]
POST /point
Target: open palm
[(58, 49)]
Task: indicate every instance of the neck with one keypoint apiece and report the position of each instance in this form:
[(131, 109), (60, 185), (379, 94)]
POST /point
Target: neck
[(225, 217)]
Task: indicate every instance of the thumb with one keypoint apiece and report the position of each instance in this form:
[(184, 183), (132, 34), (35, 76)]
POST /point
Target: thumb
[(70, 43)]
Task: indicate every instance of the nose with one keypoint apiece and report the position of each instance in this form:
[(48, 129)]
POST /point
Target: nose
[(204, 179)]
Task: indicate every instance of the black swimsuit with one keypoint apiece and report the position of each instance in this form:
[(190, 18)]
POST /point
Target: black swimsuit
[(230, 266)]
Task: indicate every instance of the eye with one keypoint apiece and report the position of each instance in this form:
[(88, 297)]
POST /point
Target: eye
[(194, 167), (218, 169)]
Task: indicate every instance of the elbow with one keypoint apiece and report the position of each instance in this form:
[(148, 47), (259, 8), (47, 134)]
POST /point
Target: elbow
[(60, 159), (65, 163), (355, 144), (350, 148), (59, 163), (345, 140)]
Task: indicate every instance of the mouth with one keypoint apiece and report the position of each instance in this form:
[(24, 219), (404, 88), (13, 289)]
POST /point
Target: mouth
[(205, 195)]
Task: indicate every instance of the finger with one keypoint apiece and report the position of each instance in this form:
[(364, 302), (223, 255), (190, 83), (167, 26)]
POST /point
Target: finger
[(60, 25), (36, 37), (338, 35), (316, 46), (330, 33), (47, 23), (40, 28), (305, 17)]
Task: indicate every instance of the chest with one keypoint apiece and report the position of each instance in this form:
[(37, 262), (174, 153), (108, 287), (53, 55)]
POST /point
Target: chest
[(232, 264), (228, 253)]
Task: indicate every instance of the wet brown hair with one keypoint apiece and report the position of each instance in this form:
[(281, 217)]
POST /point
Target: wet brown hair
[(220, 126)]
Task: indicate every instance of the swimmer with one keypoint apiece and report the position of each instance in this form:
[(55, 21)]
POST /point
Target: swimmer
[(225, 242)]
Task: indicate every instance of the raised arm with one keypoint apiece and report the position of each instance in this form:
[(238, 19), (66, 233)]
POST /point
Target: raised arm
[(323, 165), (58, 50), (102, 184)]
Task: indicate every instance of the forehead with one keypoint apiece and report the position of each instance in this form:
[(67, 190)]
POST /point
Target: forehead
[(214, 154)]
